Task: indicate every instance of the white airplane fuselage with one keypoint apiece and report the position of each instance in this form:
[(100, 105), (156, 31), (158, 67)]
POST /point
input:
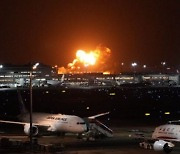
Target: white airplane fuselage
[(57, 122), (52, 122), (163, 138), (168, 132)]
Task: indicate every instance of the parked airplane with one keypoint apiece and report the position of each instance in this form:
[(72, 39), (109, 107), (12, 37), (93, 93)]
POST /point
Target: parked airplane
[(56, 82), (163, 136), (53, 122)]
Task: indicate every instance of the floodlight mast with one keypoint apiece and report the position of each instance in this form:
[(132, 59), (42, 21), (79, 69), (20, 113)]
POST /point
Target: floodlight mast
[(134, 64), (31, 104)]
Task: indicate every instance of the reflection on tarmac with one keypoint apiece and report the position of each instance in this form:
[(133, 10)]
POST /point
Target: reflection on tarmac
[(121, 143)]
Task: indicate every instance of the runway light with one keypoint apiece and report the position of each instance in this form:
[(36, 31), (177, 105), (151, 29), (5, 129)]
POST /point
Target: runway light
[(167, 113), (47, 92), (147, 114), (134, 64), (112, 94)]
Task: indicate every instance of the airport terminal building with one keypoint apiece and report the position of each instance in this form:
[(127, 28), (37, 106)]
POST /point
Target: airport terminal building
[(45, 75), (19, 75)]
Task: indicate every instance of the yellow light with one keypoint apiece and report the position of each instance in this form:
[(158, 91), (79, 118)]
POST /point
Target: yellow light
[(106, 73), (167, 113), (147, 114), (112, 94)]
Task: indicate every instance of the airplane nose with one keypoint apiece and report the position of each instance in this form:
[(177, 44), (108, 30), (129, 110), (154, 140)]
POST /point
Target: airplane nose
[(153, 135)]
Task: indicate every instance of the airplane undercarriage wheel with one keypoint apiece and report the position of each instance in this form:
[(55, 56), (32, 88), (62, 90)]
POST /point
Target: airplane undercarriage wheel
[(79, 136), (149, 147), (167, 149)]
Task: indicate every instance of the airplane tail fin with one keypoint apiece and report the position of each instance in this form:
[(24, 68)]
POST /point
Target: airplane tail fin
[(23, 109), (62, 78)]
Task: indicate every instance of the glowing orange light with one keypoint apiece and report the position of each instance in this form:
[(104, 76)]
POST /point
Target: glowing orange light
[(106, 73)]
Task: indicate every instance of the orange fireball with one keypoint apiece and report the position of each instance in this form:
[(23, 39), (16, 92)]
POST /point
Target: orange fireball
[(86, 58), (93, 61)]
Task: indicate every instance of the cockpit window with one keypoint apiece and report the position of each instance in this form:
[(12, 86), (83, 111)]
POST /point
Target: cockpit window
[(80, 123)]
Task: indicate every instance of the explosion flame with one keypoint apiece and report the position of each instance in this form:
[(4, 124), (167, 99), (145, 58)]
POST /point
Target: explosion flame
[(92, 61)]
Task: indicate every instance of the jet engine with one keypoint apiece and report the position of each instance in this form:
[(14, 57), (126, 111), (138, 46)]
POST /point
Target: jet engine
[(27, 130), (163, 146)]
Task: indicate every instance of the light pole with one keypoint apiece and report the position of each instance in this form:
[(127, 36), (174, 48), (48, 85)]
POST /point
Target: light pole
[(163, 66), (30, 82), (134, 65), (122, 65), (31, 135), (144, 68)]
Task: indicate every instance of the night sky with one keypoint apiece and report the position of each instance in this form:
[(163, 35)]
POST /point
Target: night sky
[(145, 31)]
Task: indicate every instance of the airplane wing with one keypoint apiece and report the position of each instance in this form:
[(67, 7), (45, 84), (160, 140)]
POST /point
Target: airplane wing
[(98, 115), (23, 123), (12, 122)]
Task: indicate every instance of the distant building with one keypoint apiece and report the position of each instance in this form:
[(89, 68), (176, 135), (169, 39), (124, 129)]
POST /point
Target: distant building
[(44, 75), (18, 75)]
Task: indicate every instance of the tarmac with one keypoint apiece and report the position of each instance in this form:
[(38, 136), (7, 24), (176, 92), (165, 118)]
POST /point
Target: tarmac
[(123, 142)]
